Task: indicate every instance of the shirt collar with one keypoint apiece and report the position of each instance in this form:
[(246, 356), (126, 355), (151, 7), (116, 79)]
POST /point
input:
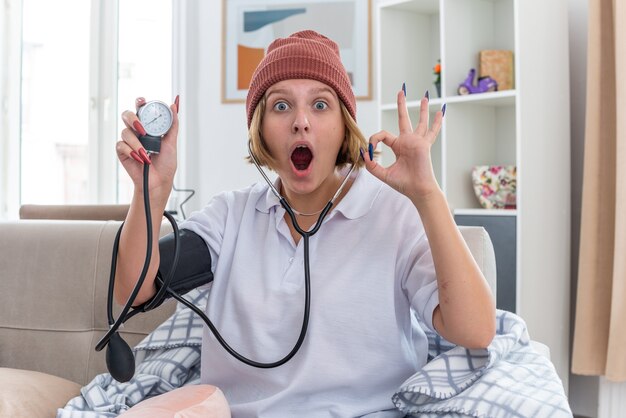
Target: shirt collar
[(355, 204)]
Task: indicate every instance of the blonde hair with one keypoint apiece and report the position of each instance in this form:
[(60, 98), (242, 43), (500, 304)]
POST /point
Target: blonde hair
[(350, 152)]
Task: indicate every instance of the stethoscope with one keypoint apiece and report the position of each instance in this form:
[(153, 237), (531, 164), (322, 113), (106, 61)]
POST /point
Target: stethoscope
[(119, 357)]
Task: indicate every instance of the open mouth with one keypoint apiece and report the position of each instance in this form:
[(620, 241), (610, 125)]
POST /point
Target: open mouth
[(301, 157)]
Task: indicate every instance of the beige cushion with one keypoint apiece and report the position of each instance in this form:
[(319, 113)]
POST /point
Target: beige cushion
[(31, 394)]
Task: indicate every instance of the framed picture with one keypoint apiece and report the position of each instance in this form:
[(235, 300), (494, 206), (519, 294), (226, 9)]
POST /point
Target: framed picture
[(249, 26)]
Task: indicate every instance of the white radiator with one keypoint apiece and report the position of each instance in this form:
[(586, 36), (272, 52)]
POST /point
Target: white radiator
[(611, 399)]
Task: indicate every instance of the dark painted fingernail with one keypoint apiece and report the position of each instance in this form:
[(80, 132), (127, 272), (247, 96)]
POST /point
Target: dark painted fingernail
[(427, 95), (443, 110), (361, 152), (370, 150), (136, 157), (145, 156), (139, 128), (404, 89), (176, 102)]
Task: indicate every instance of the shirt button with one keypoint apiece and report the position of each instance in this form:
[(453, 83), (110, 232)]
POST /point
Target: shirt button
[(290, 260)]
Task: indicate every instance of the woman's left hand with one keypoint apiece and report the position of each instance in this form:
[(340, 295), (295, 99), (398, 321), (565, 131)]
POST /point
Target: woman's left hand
[(412, 173)]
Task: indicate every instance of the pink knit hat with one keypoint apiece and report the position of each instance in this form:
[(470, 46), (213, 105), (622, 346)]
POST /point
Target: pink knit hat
[(305, 54)]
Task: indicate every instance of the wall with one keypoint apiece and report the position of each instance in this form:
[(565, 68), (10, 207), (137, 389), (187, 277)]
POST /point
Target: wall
[(583, 390)]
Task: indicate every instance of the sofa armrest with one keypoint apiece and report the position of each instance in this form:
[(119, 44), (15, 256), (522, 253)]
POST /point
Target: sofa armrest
[(481, 247)]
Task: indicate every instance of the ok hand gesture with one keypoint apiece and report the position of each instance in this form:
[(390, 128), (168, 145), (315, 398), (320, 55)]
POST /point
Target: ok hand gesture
[(412, 173)]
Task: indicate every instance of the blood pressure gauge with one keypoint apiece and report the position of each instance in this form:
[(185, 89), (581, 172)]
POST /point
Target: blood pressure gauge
[(156, 118)]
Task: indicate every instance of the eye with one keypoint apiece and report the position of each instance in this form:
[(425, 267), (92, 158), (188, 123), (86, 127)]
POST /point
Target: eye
[(281, 106), (320, 105)]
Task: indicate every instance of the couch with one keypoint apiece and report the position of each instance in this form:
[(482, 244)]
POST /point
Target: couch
[(54, 276)]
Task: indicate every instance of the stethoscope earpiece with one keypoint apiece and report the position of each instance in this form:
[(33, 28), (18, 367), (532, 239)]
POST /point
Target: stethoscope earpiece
[(120, 359)]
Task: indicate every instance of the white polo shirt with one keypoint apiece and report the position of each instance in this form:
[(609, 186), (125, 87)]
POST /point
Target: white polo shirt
[(370, 264)]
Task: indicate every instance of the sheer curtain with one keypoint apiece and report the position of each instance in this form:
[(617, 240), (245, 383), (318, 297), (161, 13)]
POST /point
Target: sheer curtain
[(600, 323)]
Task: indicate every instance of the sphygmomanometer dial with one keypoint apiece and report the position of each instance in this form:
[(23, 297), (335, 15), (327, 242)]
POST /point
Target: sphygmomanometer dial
[(156, 118)]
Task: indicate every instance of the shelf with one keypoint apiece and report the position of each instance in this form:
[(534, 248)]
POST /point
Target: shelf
[(413, 104), (495, 99), (485, 212), (415, 6)]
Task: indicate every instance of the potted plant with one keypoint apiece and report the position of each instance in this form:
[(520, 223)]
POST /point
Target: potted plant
[(437, 73)]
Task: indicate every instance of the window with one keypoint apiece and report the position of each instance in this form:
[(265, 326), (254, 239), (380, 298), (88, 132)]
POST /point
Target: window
[(145, 57), (78, 71), (54, 102)]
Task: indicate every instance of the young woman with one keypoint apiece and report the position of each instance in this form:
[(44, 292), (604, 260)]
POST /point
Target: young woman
[(387, 261)]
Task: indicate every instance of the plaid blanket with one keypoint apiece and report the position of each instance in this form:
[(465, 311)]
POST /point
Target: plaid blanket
[(509, 379)]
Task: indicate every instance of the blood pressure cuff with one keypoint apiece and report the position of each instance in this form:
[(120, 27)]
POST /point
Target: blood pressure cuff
[(194, 263)]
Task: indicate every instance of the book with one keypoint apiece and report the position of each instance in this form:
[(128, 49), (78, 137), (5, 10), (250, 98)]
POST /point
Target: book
[(498, 64)]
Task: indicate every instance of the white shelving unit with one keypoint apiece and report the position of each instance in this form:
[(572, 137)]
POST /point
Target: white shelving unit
[(527, 126)]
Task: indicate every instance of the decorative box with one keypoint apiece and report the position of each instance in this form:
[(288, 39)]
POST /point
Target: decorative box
[(498, 64)]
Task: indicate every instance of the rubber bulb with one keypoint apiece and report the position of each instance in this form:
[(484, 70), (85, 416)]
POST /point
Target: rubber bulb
[(120, 359)]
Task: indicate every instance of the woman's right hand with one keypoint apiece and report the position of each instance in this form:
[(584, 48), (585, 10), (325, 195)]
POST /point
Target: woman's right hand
[(133, 156)]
